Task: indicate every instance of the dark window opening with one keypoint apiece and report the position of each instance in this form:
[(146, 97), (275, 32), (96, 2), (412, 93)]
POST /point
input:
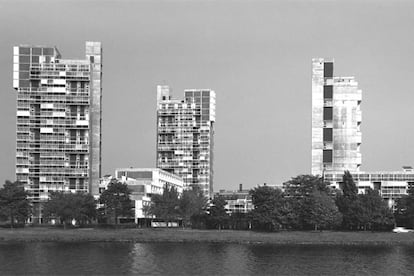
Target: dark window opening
[(24, 51), (327, 91), (327, 135), (377, 186), (328, 70), (36, 51), (327, 156), (48, 51), (328, 113)]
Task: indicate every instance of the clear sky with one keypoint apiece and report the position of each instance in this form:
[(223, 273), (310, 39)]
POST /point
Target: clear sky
[(256, 55)]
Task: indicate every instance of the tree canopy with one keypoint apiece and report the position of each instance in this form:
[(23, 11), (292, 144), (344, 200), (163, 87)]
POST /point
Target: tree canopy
[(116, 201), (268, 208), (373, 212), (320, 211), (67, 206), (166, 205), (404, 213), (367, 211), (303, 185), (348, 203), (14, 204), (192, 204), (218, 215)]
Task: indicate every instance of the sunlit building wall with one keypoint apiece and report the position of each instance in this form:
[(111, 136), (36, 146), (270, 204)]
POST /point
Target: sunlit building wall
[(336, 136), (336, 120), (143, 183)]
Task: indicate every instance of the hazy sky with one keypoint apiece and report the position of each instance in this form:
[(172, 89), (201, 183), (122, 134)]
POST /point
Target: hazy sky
[(256, 55)]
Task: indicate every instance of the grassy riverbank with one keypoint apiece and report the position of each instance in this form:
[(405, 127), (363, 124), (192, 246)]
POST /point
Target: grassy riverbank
[(33, 234)]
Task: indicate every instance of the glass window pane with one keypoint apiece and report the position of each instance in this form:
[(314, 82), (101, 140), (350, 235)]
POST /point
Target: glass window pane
[(24, 51), (327, 91), (327, 134), (24, 59), (327, 113), (48, 51), (35, 59), (327, 156), (24, 67), (36, 51), (328, 70)]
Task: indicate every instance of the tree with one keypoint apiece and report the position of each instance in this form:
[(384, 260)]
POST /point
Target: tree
[(218, 215), (290, 213), (303, 185), (404, 211), (239, 221), (79, 206), (268, 208), (311, 201), (192, 204), (347, 202), (373, 212), (165, 206), (320, 211), (116, 201), (13, 202), (348, 187)]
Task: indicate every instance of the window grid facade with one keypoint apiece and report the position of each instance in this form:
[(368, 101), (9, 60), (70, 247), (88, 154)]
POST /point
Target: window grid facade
[(185, 136), (58, 120)]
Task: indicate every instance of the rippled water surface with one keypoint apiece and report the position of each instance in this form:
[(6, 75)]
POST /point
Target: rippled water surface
[(203, 259)]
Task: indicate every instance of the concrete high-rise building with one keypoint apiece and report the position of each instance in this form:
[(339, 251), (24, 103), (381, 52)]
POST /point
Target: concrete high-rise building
[(336, 136), (336, 120), (185, 136), (59, 118)]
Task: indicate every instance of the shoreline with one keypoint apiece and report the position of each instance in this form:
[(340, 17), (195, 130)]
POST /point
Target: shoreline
[(41, 234)]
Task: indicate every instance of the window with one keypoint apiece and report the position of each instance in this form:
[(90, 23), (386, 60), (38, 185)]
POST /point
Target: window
[(328, 70), (327, 113), (24, 59), (327, 135), (24, 83), (24, 75), (48, 51), (35, 59), (327, 91), (24, 51), (24, 67), (36, 51), (327, 156), (72, 184)]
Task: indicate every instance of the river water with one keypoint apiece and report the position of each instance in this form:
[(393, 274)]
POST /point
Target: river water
[(115, 258)]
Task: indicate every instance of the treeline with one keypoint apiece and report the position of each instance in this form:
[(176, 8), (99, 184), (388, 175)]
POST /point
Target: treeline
[(307, 203), (67, 208)]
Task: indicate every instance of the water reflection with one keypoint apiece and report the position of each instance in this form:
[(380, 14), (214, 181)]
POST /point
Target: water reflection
[(203, 259)]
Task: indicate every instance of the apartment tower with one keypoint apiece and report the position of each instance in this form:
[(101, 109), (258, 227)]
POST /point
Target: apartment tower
[(336, 120), (185, 136), (59, 118)]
